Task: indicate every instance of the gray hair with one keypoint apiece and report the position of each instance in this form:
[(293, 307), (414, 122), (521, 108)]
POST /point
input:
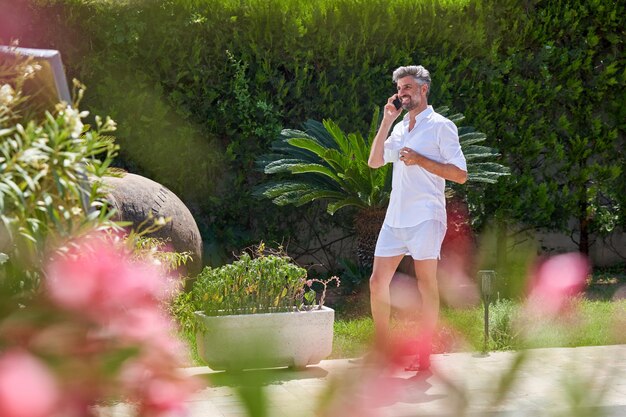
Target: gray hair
[(418, 72)]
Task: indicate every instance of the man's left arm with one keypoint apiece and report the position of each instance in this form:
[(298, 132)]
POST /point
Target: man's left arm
[(454, 168), (449, 172)]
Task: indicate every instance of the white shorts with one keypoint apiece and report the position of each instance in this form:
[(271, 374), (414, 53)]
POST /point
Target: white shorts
[(421, 242)]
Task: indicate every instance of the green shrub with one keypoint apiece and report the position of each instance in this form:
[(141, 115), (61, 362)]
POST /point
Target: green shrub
[(50, 170), (502, 333)]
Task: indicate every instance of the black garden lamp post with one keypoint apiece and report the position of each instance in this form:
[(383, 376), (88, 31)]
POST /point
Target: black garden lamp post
[(486, 278)]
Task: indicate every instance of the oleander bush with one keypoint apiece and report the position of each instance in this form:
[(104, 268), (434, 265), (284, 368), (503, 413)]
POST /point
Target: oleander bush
[(70, 282), (50, 170)]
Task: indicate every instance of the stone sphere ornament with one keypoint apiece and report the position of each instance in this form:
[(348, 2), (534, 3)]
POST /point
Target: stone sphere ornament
[(136, 198)]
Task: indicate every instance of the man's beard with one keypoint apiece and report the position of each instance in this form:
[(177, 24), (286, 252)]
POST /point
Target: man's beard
[(411, 104)]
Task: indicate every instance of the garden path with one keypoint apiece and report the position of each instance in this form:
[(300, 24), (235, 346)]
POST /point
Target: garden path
[(549, 382)]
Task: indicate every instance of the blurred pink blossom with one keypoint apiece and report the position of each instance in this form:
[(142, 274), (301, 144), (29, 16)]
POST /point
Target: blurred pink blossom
[(456, 287), (111, 305), (98, 278), (148, 327), (27, 387), (162, 391), (166, 397), (456, 267), (555, 281)]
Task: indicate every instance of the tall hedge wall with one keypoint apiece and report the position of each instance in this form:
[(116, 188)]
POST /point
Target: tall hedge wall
[(199, 89)]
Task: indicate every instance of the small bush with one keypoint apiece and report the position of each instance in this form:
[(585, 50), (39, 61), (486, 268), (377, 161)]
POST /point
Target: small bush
[(502, 334), (250, 285), (258, 283)]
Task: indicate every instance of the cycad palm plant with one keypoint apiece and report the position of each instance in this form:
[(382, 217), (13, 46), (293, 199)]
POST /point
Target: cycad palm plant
[(333, 167), (329, 165)]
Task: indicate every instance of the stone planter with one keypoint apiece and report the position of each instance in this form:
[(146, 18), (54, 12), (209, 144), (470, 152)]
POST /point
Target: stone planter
[(294, 339)]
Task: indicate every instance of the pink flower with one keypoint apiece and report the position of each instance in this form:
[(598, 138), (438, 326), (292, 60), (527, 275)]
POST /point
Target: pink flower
[(166, 397), (147, 327), (116, 310), (99, 279), (456, 287), (27, 388), (555, 281), (158, 391)]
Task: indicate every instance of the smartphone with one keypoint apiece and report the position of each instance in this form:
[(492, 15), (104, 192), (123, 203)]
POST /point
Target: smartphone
[(398, 103)]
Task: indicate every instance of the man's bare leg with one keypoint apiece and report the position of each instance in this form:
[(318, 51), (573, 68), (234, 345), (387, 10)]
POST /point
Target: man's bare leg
[(382, 273), (426, 273)]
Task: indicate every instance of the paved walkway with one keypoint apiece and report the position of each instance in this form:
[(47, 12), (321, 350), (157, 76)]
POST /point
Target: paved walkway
[(549, 382)]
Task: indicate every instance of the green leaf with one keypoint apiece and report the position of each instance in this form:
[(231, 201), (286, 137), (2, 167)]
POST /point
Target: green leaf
[(314, 168), (308, 144)]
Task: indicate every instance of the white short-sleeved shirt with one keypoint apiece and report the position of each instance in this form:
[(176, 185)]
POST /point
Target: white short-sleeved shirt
[(416, 194)]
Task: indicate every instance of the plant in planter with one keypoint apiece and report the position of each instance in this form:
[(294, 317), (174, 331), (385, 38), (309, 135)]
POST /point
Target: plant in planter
[(261, 311)]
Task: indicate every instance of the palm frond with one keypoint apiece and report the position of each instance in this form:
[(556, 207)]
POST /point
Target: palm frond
[(340, 138), (360, 147), (314, 169), (493, 167), (456, 118), (485, 177), (310, 144), (297, 166), (293, 133), (474, 152), (470, 138), (296, 192), (338, 160), (273, 188), (280, 165), (346, 202), (317, 130)]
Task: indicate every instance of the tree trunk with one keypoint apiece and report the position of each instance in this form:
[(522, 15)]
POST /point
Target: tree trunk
[(583, 244), (583, 222), (367, 224)]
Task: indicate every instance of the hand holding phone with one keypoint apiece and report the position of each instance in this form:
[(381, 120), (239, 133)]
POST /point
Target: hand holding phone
[(397, 103)]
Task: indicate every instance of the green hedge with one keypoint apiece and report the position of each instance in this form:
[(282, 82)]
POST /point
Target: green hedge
[(200, 88)]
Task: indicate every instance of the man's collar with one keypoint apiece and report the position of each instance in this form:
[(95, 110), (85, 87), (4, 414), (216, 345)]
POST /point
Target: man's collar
[(427, 112)]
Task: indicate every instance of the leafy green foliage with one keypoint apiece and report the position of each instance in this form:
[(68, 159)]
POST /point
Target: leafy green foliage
[(155, 249), (502, 333), (540, 79), (49, 178), (553, 106), (299, 60), (481, 165)]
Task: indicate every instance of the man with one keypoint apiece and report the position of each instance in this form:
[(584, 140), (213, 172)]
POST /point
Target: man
[(425, 151)]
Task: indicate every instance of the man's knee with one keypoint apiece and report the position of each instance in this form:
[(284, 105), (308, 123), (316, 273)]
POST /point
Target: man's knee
[(378, 282), (427, 279)]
